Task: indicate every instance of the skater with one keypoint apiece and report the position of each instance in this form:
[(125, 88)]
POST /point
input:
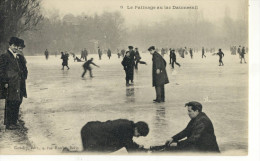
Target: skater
[(191, 54), (118, 54), (128, 67), (123, 52), (221, 55), (84, 54), (86, 66), (199, 132), (13, 73), (203, 52), (109, 53), (99, 53), (65, 58), (160, 77), (162, 52), (138, 59), (239, 50), (132, 60), (242, 55), (46, 53), (112, 135), (173, 58), (77, 59)]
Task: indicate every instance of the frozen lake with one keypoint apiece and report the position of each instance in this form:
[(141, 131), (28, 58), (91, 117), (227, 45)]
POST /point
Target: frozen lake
[(60, 102)]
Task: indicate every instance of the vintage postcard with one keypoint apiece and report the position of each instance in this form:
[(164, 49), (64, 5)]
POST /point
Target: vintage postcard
[(124, 77)]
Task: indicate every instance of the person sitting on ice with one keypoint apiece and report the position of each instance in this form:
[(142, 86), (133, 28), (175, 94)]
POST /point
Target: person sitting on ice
[(111, 136), (199, 132), (77, 59)]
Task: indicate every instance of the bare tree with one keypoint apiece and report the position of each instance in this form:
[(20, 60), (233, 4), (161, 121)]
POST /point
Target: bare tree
[(18, 16)]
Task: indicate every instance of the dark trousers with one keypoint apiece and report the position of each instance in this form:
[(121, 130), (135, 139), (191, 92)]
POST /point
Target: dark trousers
[(174, 61), (85, 71), (160, 94), (11, 112)]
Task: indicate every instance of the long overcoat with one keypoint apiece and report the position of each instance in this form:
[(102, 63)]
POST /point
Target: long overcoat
[(24, 73), (200, 135), (108, 136), (159, 63), (10, 74)]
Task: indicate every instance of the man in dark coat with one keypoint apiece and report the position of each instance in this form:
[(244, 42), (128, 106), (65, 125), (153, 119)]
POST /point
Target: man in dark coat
[(138, 58), (112, 135), (99, 53), (23, 68), (109, 53), (46, 53), (191, 53), (86, 66), (10, 76), (221, 55), (239, 50), (203, 52), (160, 77), (242, 55), (128, 67), (132, 62), (173, 58), (199, 132), (65, 58)]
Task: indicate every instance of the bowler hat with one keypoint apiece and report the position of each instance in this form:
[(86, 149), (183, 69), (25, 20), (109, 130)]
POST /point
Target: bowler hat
[(21, 43), (14, 40), (130, 47), (151, 48)]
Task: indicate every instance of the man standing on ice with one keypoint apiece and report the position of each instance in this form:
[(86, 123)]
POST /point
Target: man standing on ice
[(109, 53), (46, 53), (203, 52), (86, 66), (242, 55), (12, 76), (99, 53), (160, 77), (128, 67), (132, 62)]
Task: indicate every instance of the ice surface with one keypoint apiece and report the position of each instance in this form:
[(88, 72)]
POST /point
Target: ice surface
[(60, 102)]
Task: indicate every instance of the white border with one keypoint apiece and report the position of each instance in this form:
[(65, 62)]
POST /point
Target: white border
[(254, 106)]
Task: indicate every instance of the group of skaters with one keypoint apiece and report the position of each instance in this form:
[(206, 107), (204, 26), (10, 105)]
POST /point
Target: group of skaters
[(113, 135), (241, 52)]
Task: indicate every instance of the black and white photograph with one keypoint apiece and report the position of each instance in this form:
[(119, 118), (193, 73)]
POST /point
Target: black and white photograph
[(124, 77)]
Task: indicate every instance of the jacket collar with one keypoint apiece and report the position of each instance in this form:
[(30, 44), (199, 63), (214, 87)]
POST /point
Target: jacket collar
[(11, 52)]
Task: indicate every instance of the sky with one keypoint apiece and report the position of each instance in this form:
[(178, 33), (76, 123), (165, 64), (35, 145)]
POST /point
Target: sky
[(212, 10)]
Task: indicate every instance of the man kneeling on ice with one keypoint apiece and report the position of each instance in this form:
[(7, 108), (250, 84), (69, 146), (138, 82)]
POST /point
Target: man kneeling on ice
[(111, 136), (199, 132)]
